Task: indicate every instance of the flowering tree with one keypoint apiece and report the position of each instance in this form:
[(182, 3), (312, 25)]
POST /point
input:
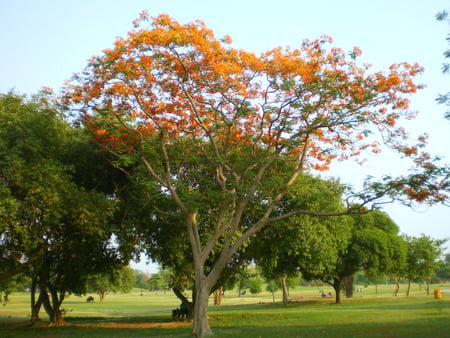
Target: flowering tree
[(224, 133)]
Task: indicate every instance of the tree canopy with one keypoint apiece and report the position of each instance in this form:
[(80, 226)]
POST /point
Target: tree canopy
[(52, 228)]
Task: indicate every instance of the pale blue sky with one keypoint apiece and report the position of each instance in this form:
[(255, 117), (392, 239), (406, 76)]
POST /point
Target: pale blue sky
[(44, 42)]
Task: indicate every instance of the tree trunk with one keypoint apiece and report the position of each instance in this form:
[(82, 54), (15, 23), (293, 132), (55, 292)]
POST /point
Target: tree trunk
[(409, 287), (428, 287), (337, 290), (101, 294), (52, 308), (35, 304), (397, 285), (283, 286), (218, 296), (348, 284), (200, 327)]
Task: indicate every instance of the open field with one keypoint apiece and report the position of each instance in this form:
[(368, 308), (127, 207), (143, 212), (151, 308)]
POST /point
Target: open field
[(136, 315)]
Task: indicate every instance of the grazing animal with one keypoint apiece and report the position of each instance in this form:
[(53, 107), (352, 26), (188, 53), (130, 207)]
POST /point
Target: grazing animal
[(175, 314), (90, 299), (179, 314), (182, 314)]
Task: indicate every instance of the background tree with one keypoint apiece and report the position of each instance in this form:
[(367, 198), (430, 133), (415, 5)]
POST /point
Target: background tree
[(160, 280), (375, 247), (140, 279), (212, 125), (422, 256), (17, 283), (369, 245), (273, 286), (255, 285), (302, 242), (118, 280), (443, 271)]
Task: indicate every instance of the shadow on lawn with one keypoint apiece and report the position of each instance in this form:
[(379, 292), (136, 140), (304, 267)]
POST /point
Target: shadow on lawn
[(154, 319), (407, 328), (436, 327)]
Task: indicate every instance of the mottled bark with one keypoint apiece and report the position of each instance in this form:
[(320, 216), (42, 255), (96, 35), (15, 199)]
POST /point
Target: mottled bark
[(200, 327)]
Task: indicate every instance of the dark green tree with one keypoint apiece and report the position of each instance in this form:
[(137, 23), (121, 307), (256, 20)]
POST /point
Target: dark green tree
[(375, 247), (303, 243), (54, 229)]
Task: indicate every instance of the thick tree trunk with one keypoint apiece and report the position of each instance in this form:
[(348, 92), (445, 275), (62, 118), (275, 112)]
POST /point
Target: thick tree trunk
[(35, 304), (348, 284), (52, 308), (337, 290), (200, 327), (285, 292)]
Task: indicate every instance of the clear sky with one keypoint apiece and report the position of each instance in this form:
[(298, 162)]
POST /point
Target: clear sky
[(44, 42)]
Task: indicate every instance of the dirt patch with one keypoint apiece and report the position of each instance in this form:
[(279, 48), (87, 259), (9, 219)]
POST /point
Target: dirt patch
[(112, 325), (106, 325)]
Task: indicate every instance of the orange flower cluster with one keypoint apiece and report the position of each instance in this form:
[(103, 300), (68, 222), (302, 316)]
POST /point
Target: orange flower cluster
[(178, 80)]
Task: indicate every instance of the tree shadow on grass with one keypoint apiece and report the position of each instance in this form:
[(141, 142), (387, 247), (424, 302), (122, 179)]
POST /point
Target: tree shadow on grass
[(153, 319), (408, 328), (435, 327)]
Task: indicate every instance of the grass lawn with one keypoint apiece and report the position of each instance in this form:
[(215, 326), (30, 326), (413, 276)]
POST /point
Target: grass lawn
[(134, 315)]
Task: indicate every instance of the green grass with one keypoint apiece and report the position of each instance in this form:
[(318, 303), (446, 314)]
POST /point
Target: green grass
[(133, 315)]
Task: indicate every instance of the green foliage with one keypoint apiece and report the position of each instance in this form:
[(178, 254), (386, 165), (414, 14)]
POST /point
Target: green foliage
[(141, 278), (445, 98), (255, 285), (273, 286), (118, 280), (443, 271), (56, 226), (422, 257), (311, 244)]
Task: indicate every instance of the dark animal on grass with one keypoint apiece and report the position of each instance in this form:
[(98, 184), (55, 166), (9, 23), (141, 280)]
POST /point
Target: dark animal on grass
[(175, 314), (180, 314), (90, 299)]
